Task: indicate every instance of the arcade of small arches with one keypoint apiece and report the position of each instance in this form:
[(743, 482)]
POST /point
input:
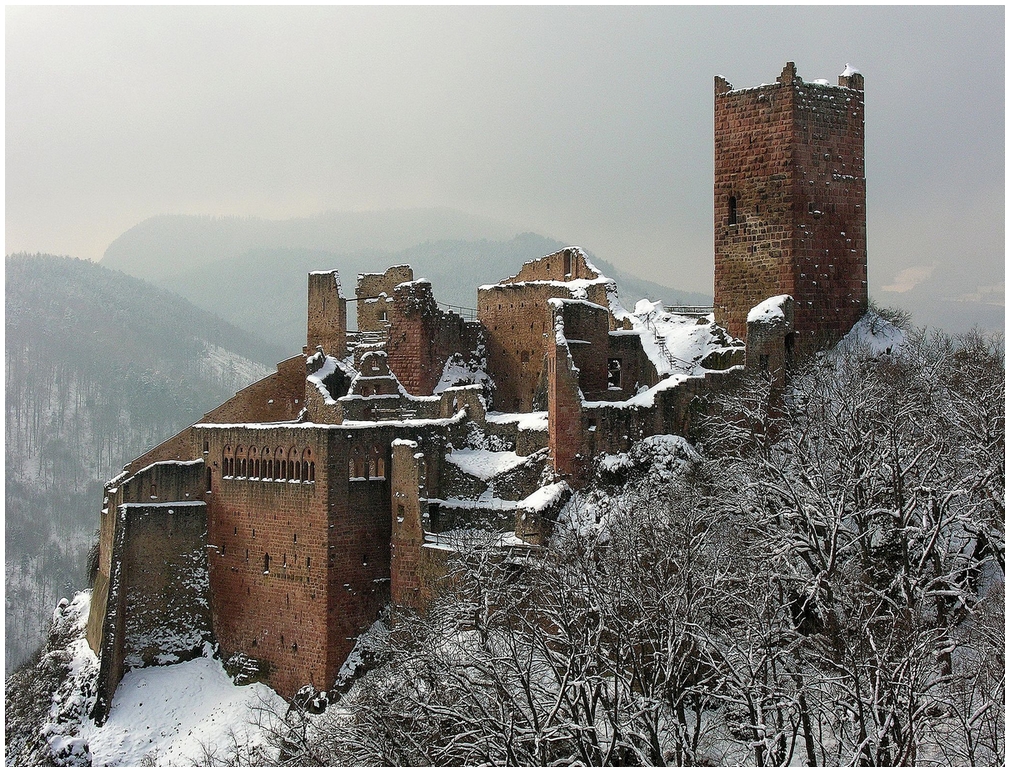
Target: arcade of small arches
[(367, 465), (278, 465)]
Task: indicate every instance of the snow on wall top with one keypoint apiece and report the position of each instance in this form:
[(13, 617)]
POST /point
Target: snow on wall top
[(484, 464), (849, 71), (769, 311)]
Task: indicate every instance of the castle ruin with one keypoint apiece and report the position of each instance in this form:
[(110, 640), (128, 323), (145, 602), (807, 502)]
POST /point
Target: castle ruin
[(281, 523)]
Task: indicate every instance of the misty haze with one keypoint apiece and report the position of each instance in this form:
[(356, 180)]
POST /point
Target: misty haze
[(474, 385)]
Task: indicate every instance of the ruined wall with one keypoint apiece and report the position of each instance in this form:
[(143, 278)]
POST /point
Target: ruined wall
[(327, 314), (518, 324), (564, 265), (790, 203), (299, 523), (129, 597), (587, 330), (770, 337), (417, 568), (166, 586), (566, 440), (636, 369), (374, 292), (613, 428), (422, 337)]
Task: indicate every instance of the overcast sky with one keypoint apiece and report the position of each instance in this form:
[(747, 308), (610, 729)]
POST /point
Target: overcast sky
[(591, 125)]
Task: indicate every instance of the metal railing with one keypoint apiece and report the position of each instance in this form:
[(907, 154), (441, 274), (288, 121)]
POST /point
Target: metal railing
[(469, 314)]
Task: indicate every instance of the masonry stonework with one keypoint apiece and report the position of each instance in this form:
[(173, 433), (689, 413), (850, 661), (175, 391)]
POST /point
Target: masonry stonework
[(790, 203)]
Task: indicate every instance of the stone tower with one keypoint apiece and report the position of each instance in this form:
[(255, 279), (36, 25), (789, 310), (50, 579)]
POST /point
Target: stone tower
[(790, 203)]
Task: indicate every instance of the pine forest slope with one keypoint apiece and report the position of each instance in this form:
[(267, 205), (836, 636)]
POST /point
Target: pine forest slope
[(99, 367)]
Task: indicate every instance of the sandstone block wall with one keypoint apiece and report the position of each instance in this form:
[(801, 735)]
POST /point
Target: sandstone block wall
[(422, 337), (566, 441), (300, 566), (374, 293), (269, 541), (166, 587), (518, 323), (327, 314), (790, 198), (587, 330)]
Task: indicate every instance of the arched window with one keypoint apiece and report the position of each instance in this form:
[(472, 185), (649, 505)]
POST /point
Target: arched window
[(294, 468), (378, 462), (280, 468), (357, 463), (312, 471), (732, 210), (568, 263), (307, 475), (227, 460)]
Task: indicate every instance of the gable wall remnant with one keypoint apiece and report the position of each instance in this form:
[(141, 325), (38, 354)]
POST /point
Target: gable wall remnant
[(374, 293), (144, 550)]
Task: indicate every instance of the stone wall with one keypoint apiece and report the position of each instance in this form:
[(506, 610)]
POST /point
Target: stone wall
[(374, 293), (790, 201), (300, 553), (566, 441), (587, 330), (417, 567), (152, 527), (269, 542), (564, 265), (422, 337), (518, 324), (166, 587), (771, 339), (327, 314)]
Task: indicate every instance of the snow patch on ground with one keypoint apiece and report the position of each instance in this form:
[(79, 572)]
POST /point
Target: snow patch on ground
[(456, 372), (674, 343), (170, 715), (484, 464), (177, 714)]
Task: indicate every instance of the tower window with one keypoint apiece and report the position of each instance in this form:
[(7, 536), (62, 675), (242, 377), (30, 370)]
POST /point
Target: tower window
[(614, 373), (732, 210)]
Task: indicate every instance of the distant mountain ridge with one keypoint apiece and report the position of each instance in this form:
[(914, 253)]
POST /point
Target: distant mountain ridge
[(165, 244), (252, 272)]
